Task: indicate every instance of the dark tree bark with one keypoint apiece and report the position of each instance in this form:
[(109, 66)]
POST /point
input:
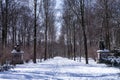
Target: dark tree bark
[(2, 22), (83, 29), (35, 30), (4, 14), (74, 40), (6, 22), (107, 33), (46, 27)]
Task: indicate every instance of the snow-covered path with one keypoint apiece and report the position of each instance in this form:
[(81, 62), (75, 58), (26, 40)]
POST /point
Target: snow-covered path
[(61, 69)]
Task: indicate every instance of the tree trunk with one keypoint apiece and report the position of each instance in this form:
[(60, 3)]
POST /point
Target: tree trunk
[(107, 33), (74, 38), (6, 23), (83, 29), (35, 26), (46, 28)]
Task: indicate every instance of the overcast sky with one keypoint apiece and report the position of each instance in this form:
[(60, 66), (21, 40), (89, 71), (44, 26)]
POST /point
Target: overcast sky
[(58, 7), (58, 4)]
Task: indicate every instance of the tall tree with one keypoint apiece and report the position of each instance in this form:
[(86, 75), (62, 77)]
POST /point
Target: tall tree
[(49, 23), (4, 14), (83, 28), (46, 2), (106, 24), (105, 10), (35, 29), (78, 8)]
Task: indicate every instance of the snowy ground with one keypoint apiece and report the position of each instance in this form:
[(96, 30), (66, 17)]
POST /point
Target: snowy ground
[(61, 69)]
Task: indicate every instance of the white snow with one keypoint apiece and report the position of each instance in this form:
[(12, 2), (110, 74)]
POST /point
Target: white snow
[(60, 68), (103, 51), (15, 52)]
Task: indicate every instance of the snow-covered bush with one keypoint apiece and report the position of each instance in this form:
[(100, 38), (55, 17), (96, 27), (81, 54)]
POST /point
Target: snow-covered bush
[(112, 60)]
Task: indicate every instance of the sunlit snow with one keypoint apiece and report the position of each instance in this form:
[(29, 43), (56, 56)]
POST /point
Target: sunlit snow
[(60, 68)]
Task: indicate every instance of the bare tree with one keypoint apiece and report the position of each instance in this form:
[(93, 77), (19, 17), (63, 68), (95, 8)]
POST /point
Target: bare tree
[(77, 6), (35, 28)]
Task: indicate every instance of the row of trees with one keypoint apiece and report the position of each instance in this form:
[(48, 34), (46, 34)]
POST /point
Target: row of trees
[(30, 23), (86, 22), (33, 26)]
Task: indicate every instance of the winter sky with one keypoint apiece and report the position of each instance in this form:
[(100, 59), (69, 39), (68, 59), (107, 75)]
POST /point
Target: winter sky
[(58, 13)]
